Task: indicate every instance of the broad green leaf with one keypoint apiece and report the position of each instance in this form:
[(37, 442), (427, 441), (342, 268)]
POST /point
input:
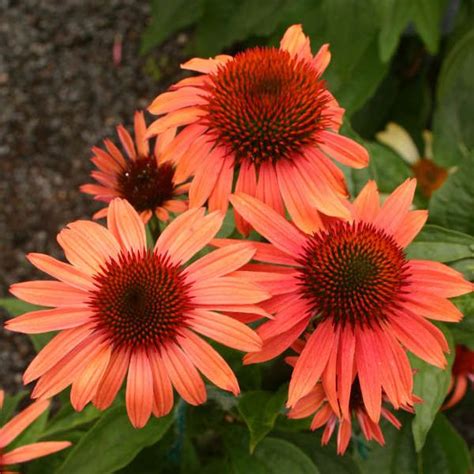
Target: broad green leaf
[(431, 384), (325, 457), (398, 456), (453, 125), (68, 419), (390, 169), (452, 205), (225, 23), (393, 16), (442, 245), (271, 456), (112, 443), (427, 16), (463, 332), (168, 18), (259, 410), (445, 451)]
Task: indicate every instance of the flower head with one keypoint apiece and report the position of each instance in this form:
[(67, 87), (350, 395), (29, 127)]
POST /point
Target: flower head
[(429, 175), (350, 283), (123, 308), (141, 177), (315, 403), (462, 374), (267, 113), (15, 427)]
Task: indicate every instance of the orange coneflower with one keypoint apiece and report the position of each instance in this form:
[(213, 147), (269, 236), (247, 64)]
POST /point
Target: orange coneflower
[(462, 374), (315, 403), (141, 177), (429, 175), (318, 404), (267, 112), (15, 427), (121, 307), (352, 280)]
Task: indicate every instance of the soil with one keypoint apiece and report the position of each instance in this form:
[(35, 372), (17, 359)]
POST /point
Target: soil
[(60, 94)]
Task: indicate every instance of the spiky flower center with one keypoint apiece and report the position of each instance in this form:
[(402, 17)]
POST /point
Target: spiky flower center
[(145, 184), (141, 300), (266, 105), (353, 273)]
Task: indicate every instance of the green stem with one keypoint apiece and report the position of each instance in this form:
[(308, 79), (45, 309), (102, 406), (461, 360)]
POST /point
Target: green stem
[(154, 226)]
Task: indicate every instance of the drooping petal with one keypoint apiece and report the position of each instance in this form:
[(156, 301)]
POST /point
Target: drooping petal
[(208, 361), (178, 118), (246, 183), (86, 384), (410, 227), (65, 371), (368, 371), (177, 99), (219, 197), (312, 361), (183, 375), (55, 350), (162, 388), (112, 379), (139, 393), (367, 204)]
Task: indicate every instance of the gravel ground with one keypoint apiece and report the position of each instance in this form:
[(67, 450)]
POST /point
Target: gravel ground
[(60, 94)]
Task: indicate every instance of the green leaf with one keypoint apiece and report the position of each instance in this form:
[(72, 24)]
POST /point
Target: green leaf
[(272, 455), (9, 406), (325, 457), (390, 169), (442, 245), (168, 18), (398, 456), (16, 307), (453, 125), (445, 451), (112, 443), (463, 332), (225, 23), (68, 419), (431, 384), (427, 16), (453, 204), (228, 226), (259, 410), (393, 16)]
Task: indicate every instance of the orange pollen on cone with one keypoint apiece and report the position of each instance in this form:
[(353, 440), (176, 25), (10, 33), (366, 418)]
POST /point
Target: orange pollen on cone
[(353, 273), (145, 184), (140, 300), (266, 105)]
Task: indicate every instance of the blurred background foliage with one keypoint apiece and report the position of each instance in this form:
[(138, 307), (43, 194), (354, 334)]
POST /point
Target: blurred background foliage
[(410, 62)]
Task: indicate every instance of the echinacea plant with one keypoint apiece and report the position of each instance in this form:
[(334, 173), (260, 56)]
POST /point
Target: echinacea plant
[(234, 222)]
